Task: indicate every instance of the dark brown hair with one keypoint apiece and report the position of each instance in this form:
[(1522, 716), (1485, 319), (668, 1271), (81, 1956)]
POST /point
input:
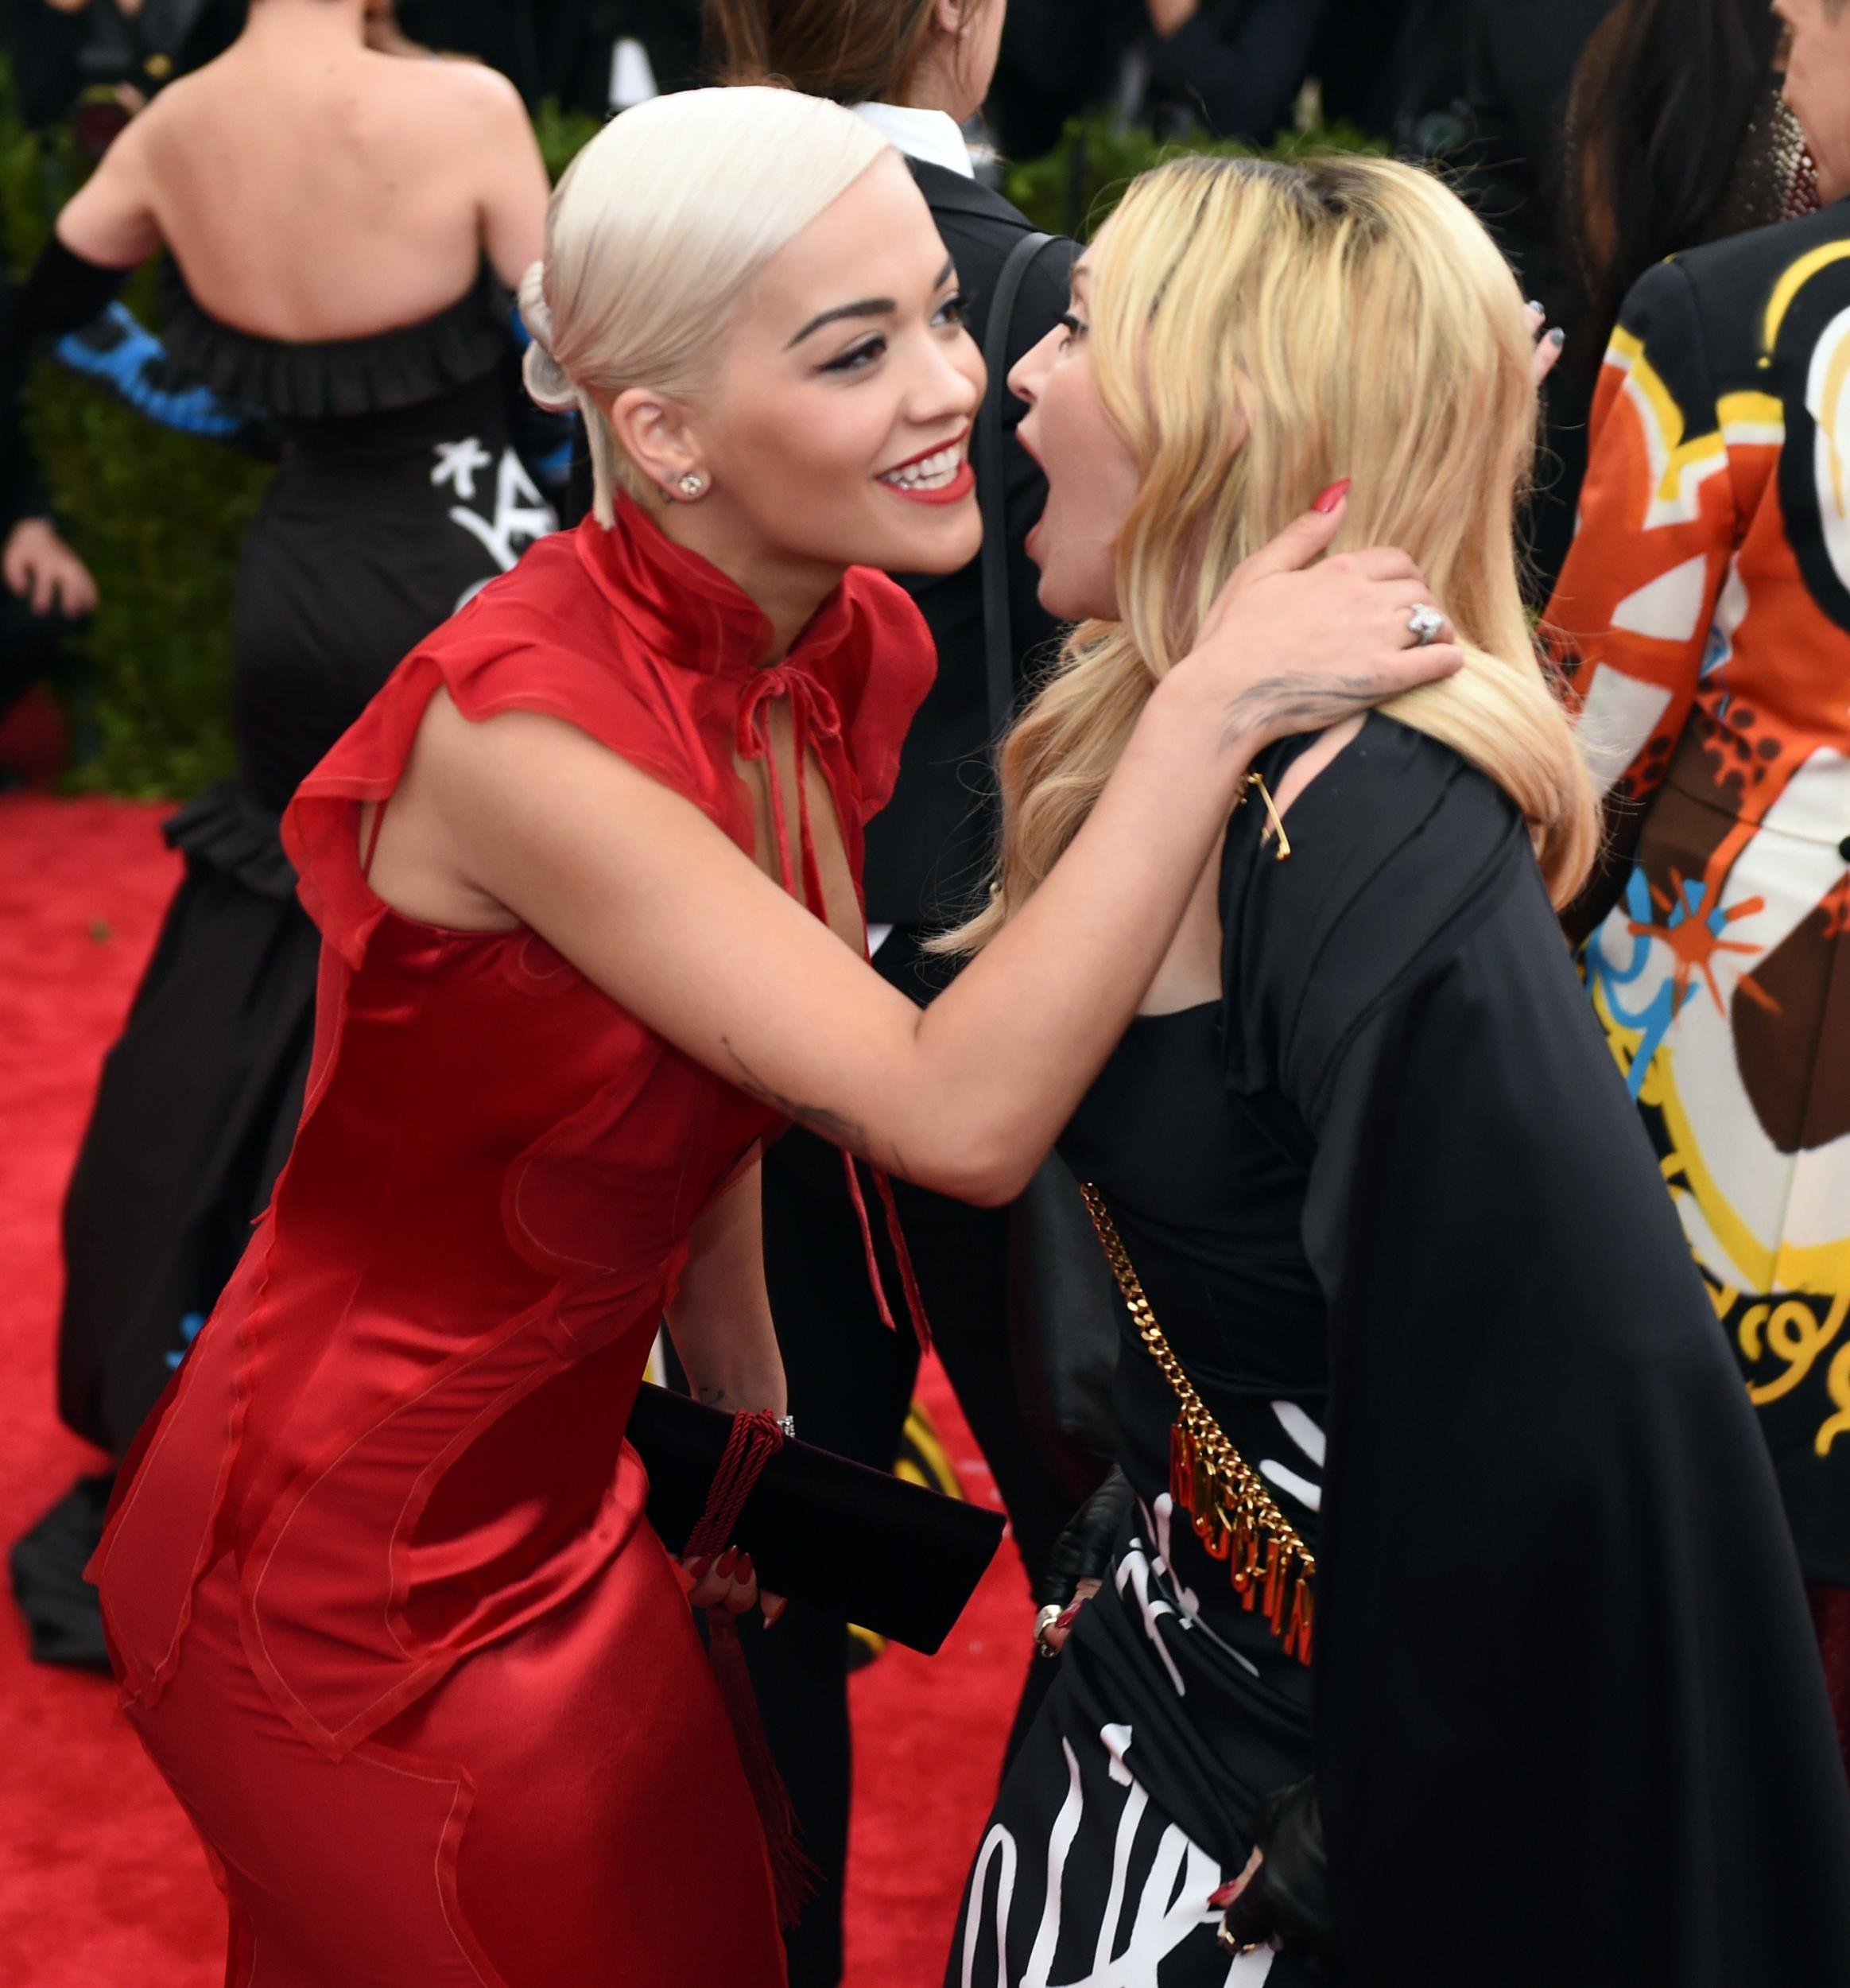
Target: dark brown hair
[(855, 51), (1663, 102)]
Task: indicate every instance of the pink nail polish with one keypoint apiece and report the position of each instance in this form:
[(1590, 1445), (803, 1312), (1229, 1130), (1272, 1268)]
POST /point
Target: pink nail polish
[(1333, 496)]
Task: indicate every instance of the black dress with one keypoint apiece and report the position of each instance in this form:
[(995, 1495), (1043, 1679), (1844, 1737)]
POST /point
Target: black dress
[(399, 496), (1391, 1206)]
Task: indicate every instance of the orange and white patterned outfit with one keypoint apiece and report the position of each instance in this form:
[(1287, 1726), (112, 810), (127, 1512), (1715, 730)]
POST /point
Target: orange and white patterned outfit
[(1705, 611)]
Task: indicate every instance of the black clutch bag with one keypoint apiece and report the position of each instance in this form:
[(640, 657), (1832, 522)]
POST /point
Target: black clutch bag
[(889, 1555)]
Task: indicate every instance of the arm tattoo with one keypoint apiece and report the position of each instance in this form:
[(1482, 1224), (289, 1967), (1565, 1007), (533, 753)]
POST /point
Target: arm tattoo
[(836, 1127)]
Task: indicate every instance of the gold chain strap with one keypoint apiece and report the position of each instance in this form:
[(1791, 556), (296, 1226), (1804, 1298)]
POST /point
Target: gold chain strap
[(1234, 1515)]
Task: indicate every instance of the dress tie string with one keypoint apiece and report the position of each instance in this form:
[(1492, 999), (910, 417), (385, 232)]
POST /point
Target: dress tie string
[(814, 717)]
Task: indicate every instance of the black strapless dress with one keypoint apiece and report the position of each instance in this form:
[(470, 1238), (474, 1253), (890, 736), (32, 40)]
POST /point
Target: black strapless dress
[(1391, 1205), (400, 494)]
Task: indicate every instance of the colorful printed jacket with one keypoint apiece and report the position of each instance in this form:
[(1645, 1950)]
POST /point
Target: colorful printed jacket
[(1705, 614)]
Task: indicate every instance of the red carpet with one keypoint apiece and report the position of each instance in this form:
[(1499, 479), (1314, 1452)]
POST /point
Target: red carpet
[(102, 1884)]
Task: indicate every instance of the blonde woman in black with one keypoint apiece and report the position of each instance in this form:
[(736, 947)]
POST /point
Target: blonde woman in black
[(1454, 1635)]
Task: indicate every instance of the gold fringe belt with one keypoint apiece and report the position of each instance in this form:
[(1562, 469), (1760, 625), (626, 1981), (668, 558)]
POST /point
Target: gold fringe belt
[(1234, 1515)]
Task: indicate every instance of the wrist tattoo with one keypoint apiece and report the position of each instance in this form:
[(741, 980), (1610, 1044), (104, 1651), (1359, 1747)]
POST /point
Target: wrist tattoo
[(1277, 707)]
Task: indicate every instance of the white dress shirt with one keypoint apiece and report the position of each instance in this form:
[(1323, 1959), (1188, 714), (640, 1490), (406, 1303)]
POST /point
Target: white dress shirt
[(931, 136)]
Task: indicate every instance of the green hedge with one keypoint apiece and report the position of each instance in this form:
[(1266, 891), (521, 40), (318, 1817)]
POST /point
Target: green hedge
[(1073, 190), (159, 517)]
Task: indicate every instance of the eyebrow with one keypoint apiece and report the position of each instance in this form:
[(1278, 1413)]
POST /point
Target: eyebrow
[(867, 307)]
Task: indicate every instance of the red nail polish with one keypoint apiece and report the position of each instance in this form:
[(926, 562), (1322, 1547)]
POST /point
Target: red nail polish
[(745, 1572), (1227, 1894), (697, 1569), (1333, 496), (1068, 1616), (727, 1561)]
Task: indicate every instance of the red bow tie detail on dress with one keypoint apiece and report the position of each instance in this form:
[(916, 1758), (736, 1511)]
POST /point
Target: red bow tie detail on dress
[(813, 718)]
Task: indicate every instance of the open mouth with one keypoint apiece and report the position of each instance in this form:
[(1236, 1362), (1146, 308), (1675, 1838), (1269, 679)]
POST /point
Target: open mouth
[(943, 476)]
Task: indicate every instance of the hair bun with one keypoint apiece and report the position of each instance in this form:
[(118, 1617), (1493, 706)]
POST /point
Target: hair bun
[(547, 383)]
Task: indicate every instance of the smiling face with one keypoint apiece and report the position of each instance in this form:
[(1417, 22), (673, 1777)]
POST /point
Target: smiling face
[(1816, 53), (1093, 478), (837, 430)]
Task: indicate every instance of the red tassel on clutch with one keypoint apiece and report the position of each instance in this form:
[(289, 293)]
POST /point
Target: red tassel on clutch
[(756, 1439)]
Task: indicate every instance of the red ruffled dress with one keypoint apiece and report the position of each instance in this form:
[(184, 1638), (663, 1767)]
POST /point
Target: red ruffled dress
[(378, 1585)]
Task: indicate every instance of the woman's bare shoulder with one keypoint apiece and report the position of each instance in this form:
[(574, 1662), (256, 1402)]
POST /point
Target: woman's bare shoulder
[(453, 90)]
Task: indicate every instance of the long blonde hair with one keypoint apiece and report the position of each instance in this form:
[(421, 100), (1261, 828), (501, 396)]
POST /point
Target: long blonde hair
[(1258, 331)]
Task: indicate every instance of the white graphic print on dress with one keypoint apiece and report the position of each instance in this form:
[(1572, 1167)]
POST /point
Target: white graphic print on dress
[(1309, 1439), (1169, 1909), (520, 514), (1180, 1604)]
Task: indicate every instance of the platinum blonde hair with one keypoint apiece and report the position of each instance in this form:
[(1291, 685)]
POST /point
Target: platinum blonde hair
[(656, 233), (1258, 331)]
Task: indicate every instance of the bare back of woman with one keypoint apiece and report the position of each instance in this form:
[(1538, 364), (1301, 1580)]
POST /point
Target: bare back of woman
[(312, 189)]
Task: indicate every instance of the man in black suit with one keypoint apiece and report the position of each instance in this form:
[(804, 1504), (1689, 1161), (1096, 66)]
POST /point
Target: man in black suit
[(850, 1380)]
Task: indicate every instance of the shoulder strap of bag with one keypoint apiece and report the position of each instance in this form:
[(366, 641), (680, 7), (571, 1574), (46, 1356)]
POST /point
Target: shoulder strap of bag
[(998, 618)]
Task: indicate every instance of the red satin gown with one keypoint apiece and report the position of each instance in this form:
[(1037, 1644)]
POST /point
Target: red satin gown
[(378, 1586)]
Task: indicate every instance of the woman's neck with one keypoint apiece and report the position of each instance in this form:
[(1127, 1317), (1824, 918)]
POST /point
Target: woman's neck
[(786, 591), (934, 84), (337, 23)]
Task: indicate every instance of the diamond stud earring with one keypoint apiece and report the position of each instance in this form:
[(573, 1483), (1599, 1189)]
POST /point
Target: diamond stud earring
[(693, 485)]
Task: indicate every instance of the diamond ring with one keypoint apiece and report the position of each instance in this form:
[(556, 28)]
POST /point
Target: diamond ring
[(1425, 624)]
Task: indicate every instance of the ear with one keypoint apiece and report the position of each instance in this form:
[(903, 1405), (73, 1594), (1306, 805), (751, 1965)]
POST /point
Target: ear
[(951, 16), (653, 432)]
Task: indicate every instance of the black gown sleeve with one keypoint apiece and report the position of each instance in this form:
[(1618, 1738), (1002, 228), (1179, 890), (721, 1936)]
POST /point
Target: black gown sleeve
[(1569, 1721), (64, 291)]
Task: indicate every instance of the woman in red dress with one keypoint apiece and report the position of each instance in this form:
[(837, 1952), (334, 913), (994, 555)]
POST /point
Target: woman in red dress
[(379, 1587)]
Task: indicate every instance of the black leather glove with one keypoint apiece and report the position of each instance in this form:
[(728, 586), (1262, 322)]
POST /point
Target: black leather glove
[(1288, 1900), (1083, 1552)]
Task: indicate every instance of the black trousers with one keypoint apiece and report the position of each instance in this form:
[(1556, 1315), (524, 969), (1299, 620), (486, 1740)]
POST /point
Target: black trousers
[(850, 1381)]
